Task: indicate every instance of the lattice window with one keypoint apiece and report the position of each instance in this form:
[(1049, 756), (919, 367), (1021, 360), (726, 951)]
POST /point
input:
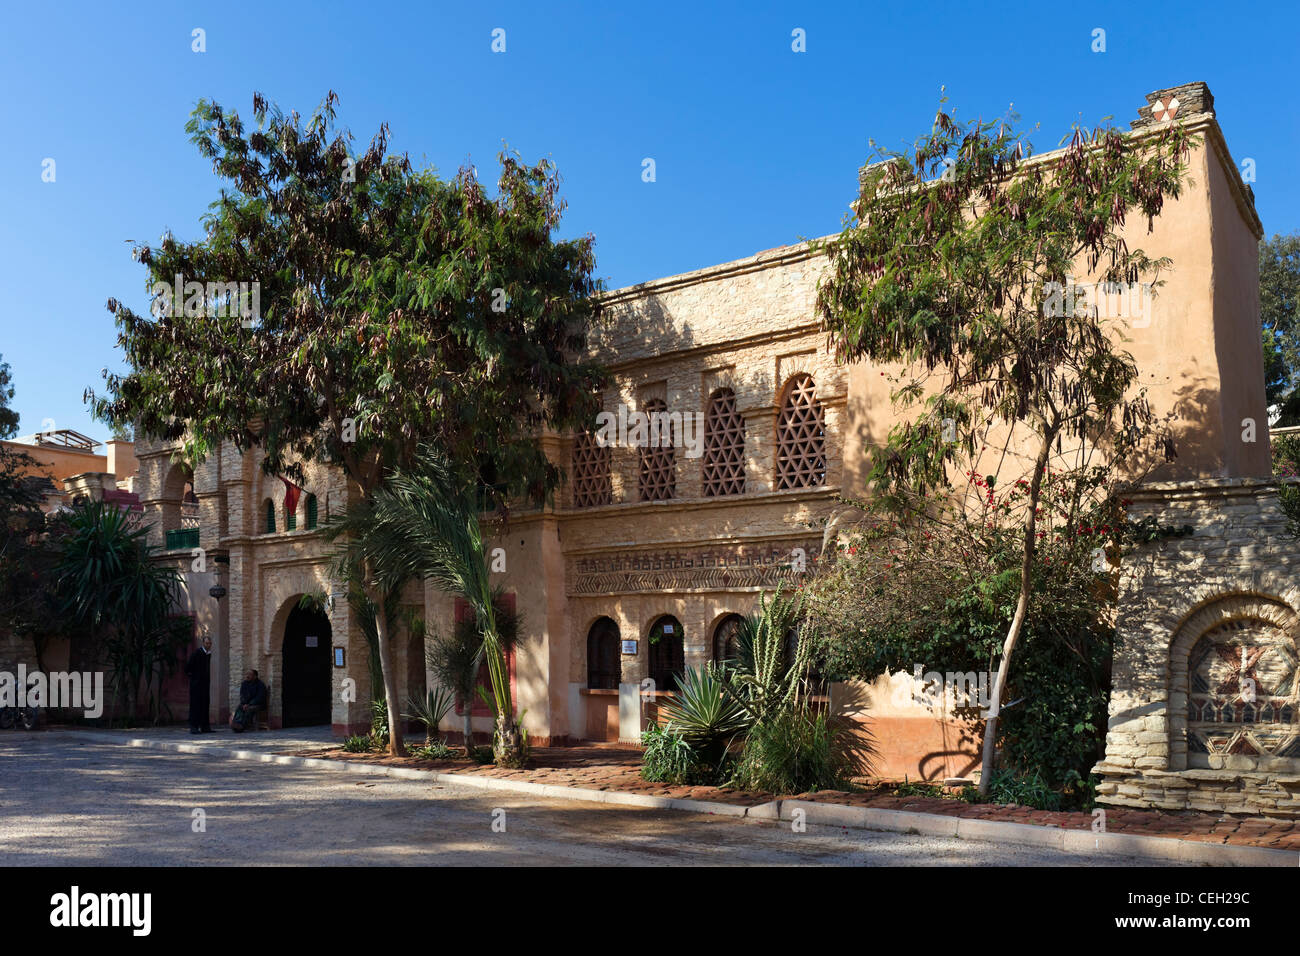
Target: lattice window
[(667, 653), (724, 446), (1242, 700), (313, 513), (604, 665), (800, 437), (591, 485), (269, 509), (658, 474)]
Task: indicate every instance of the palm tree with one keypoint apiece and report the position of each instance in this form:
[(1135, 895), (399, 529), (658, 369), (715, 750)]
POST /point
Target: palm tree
[(424, 523), (455, 657)]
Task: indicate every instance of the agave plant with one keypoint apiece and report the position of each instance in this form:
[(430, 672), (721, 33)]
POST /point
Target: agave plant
[(704, 713), (430, 710)]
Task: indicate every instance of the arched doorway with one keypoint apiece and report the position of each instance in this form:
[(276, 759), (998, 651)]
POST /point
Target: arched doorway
[(305, 682), (667, 654), (726, 639), (604, 665)]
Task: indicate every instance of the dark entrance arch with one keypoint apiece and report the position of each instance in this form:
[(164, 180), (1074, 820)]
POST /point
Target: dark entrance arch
[(667, 652), (305, 683)]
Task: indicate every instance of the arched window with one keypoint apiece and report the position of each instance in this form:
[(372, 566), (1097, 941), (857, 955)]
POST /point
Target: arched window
[(269, 511), (800, 436), (667, 653), (726, 638), (290, 518), (604, 665), (591, 485), (724, 446), (658, 476), (312, 514)]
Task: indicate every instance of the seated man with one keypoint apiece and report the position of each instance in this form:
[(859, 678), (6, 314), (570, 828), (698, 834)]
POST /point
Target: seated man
[(252, 699)]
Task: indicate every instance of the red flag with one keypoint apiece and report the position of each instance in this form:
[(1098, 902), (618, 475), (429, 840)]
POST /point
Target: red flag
[(291, 493)]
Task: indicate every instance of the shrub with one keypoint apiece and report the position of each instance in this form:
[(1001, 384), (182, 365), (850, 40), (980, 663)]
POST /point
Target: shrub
[(669, 758), (1024, 789), (358, 744), (704, 714), (437, 750), (795, 751)]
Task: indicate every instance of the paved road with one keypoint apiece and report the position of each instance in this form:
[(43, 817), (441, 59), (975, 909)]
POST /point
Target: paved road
[(76, 803)]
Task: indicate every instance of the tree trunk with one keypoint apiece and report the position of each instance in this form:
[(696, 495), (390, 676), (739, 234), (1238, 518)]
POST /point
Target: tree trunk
[(395, 746), (1022, 608)]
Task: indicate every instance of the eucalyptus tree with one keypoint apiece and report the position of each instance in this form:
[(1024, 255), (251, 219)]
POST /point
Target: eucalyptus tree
[(950, 268), (343, 308)]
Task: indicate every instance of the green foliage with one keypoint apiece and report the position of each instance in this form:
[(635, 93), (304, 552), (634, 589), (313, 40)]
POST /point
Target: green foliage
[(8, 415), (29, 606), (359, 744), (703, 714), (794, 751), (1286, 468), (668, 758), (937, 585), (763, 679), (481, 755), (1279, 311), (910, 789), (424, 524), (378, 305), (435, 750), (108, 583), (1023, 789), (430, 710)]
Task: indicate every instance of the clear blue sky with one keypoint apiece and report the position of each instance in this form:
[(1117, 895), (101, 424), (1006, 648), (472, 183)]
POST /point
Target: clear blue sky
[(755, 145)]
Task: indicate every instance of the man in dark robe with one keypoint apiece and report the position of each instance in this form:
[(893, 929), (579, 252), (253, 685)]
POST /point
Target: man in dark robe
[(198, 668), (252, 700)]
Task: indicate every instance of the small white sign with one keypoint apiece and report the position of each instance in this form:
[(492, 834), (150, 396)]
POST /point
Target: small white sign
[(629, 647), (311, 640), (668, 628)]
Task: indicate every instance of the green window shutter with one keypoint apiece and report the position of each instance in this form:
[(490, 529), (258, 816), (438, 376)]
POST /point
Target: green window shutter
[(311, 511), (270, 518), (290, 521)]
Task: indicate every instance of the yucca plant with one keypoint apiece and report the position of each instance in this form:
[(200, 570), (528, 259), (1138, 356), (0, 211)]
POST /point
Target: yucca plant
[(704, 714), (430, 710)]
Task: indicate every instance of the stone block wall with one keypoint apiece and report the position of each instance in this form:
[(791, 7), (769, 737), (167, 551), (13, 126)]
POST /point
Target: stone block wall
[(1204, 712)]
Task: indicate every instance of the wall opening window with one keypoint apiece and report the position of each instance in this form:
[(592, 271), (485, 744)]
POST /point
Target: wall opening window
[(268, 510), (604, 664), (667, 652), (724, 446), (800, 436), (726, 638), (658, 474), (312, 513), (591, 482)]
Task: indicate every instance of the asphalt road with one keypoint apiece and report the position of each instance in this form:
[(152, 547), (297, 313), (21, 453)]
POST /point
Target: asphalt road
[(66, 802)]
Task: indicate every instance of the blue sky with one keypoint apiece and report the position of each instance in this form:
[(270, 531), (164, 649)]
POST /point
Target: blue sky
[(755, 145)]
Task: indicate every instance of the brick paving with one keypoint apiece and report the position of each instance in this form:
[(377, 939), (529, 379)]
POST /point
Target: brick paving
[(611, 767)]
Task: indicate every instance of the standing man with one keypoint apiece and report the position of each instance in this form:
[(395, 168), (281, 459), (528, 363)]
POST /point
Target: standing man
[(198, 668)]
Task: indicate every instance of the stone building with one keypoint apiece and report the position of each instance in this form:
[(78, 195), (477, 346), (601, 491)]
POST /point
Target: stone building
[(650, 553)]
